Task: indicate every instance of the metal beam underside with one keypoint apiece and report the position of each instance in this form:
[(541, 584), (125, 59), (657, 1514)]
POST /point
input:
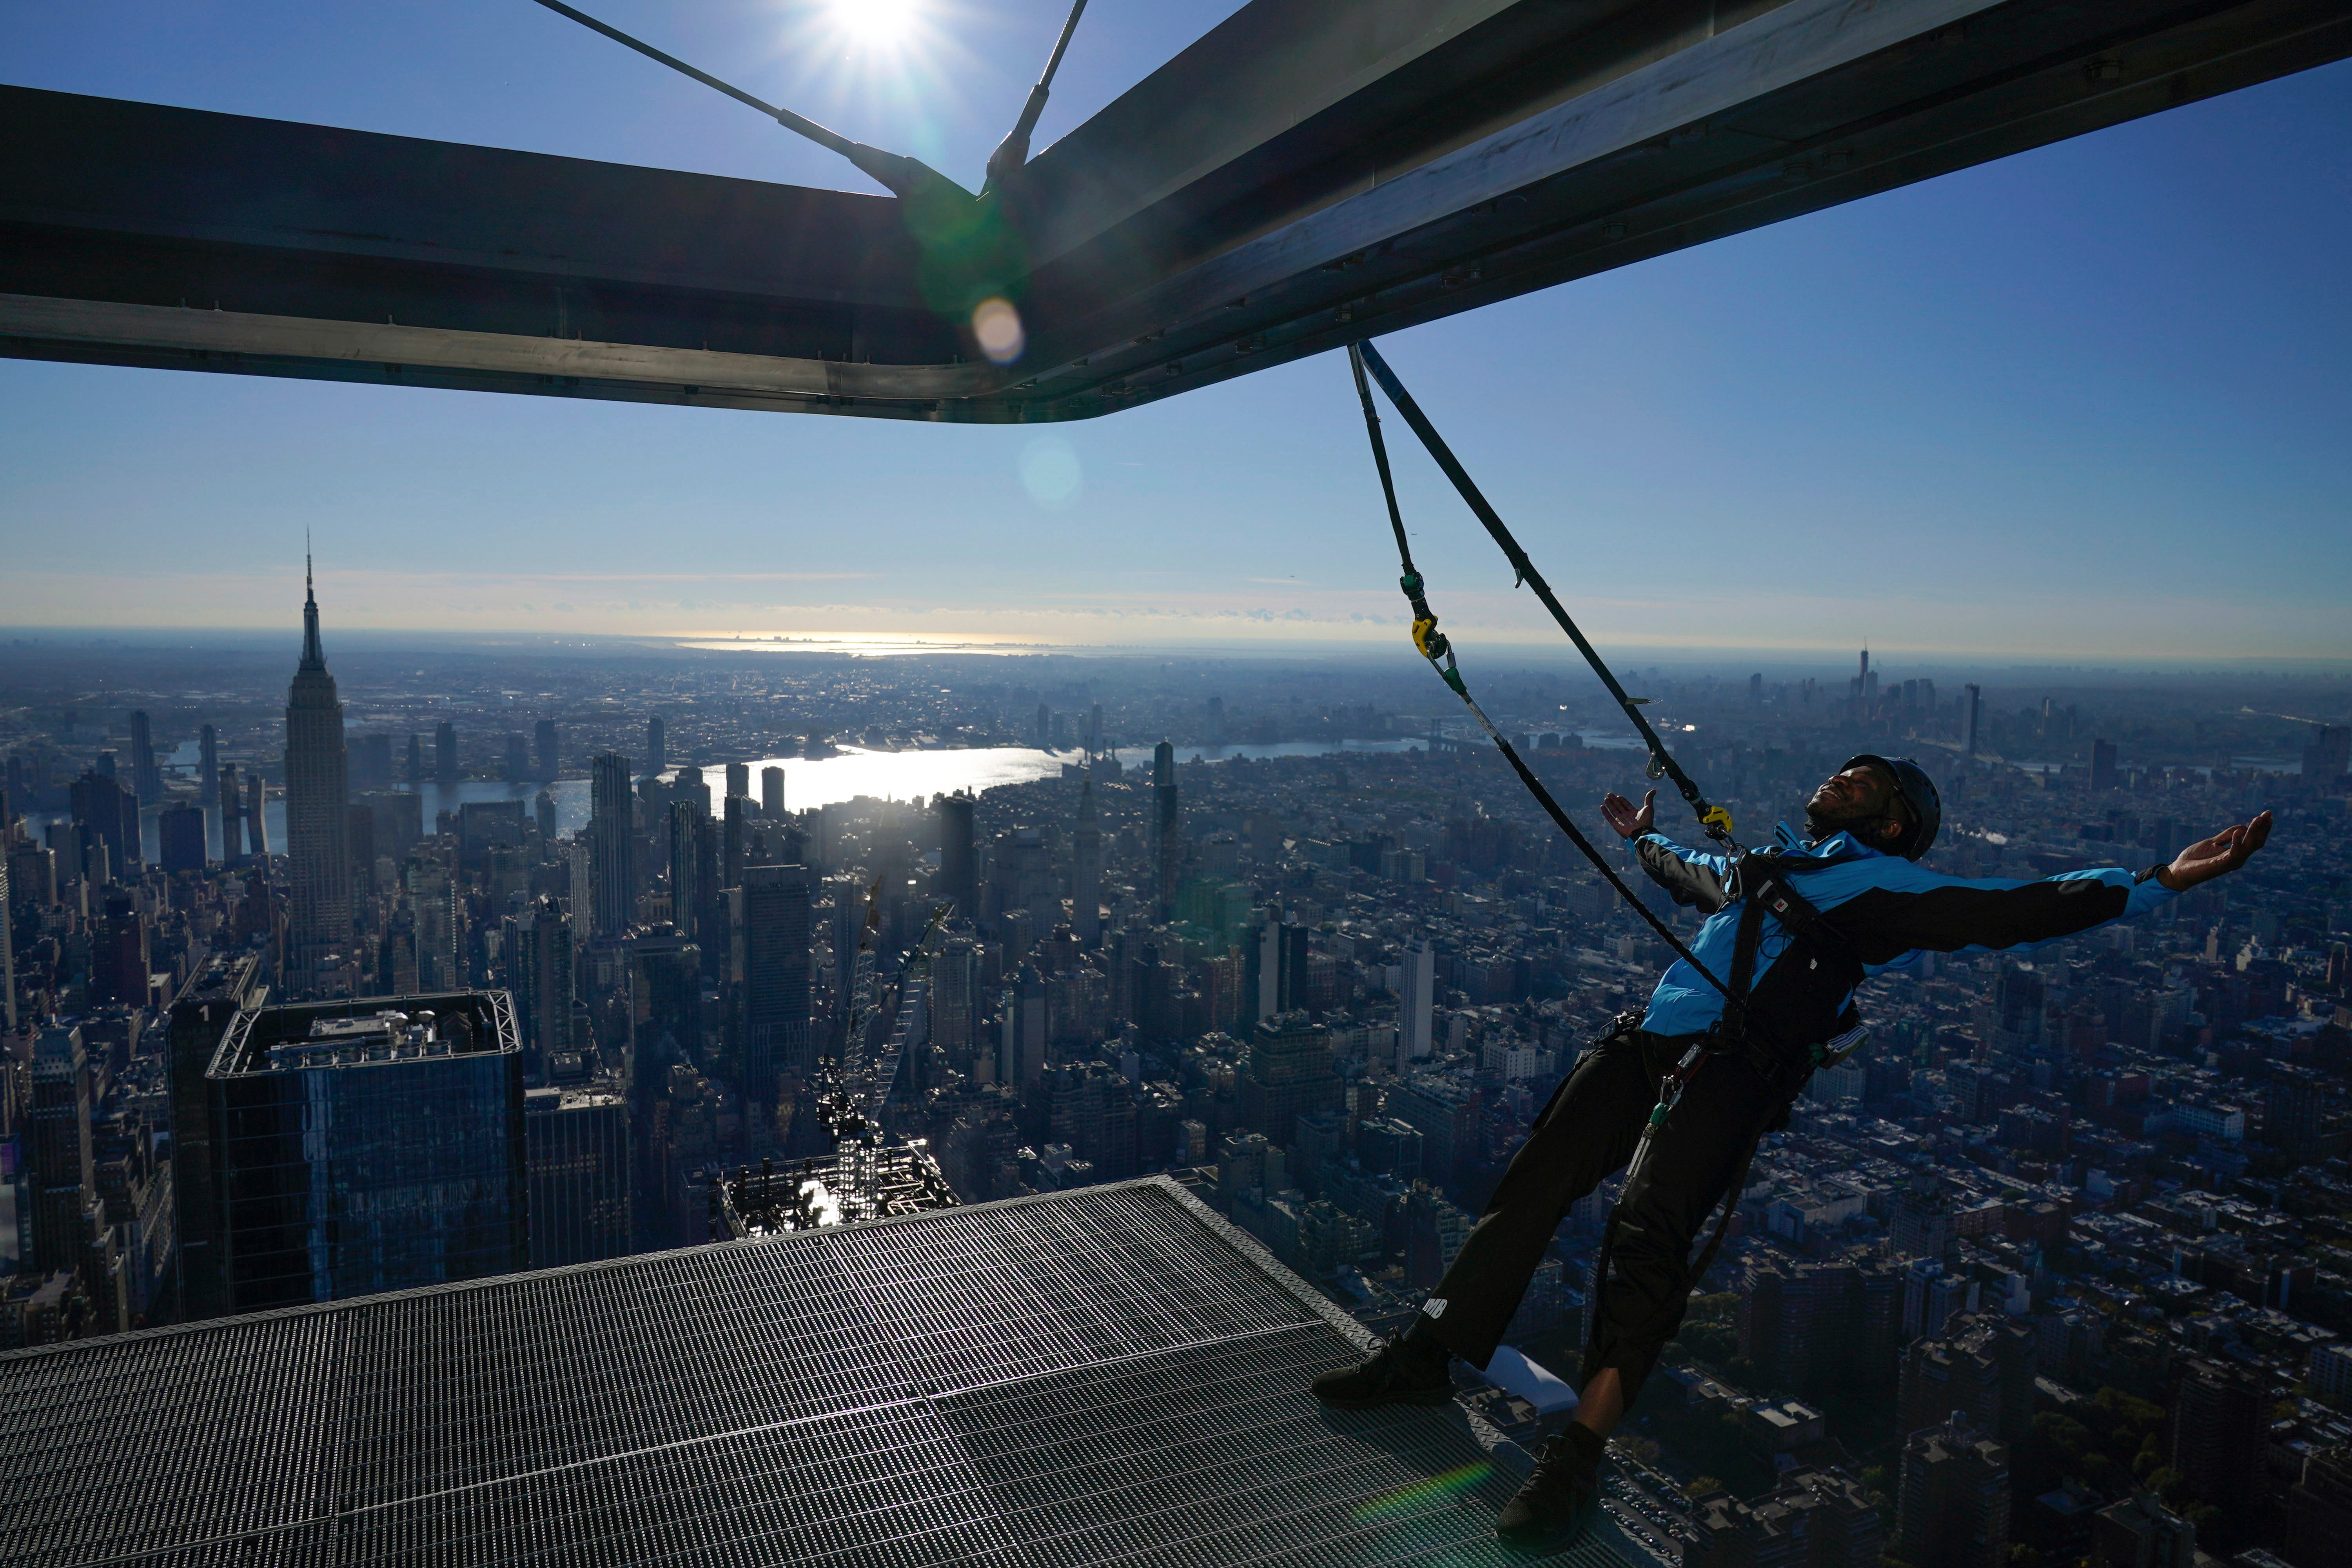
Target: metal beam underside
[(1312, 171)]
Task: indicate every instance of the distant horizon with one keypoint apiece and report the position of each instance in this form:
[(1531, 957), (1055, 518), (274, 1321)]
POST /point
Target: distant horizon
[(1512, 653)]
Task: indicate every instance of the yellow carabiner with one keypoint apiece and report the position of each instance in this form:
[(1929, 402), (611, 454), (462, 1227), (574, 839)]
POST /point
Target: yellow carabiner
[(1422, 629), (1717, 817)]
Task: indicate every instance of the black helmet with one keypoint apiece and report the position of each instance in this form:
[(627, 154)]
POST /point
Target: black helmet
[(1918, 792)]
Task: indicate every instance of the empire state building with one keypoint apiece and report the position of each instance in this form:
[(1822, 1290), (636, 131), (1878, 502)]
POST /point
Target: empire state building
[(318, 833)]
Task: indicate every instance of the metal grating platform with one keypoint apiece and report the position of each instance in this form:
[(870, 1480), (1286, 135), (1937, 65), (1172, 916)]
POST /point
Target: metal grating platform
[(1106, 1376)]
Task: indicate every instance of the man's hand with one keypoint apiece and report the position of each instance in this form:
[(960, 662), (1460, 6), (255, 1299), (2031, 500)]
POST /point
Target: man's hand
[(2216, 857), (1618, 814)]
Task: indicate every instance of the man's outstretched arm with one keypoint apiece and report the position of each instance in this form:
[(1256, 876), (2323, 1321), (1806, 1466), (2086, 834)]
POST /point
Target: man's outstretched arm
[(1692, 876), (1918, 909)]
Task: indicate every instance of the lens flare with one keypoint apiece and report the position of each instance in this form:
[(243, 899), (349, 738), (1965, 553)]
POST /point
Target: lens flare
[(1422, 1494), (997, 325), (875, 22), (1050, 472)]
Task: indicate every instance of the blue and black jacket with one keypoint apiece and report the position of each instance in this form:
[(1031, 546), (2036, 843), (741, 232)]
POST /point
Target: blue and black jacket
[(1887, 908)]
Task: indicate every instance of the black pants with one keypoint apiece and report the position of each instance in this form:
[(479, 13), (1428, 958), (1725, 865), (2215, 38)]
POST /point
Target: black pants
[(1586, 1133)]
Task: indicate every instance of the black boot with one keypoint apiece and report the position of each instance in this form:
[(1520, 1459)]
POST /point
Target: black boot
[(1409, 1369), (1560, 1496)]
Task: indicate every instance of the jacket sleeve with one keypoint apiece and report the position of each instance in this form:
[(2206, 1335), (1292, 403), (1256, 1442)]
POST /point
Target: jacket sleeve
[(1692, 876), (1915, 908)]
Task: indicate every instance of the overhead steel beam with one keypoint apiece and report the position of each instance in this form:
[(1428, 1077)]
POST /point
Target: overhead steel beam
[(1312, 171)]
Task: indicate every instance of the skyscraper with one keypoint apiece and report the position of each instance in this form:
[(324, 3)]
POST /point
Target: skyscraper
[(8, 942), (416, 763), (208, 777), (111, 813), (2103, 765), (776, 961), (231, 815), (57, 1147), (730, 856), (206, 1005), (611, 844), (541, 976), (257, 815), (544, 743), (1288, 1073), (772, 791), (685, 863), (146, 778), (444, 753), (1163, 827), (959, 857), (317, 828), (358, 1152), (579, 1174), (738, 780), (1086, 869), (1416, 1003), (180, 837)]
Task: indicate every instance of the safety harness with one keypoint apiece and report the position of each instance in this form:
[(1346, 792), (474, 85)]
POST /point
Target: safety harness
[(1758, 879)]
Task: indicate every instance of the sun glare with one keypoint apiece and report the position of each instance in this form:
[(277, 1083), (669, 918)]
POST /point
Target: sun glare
[(876, 23)]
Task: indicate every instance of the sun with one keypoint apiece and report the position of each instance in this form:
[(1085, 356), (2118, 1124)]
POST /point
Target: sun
[(877, 24)]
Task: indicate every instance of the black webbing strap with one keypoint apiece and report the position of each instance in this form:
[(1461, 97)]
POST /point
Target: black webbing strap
[(1434, 648), (1712, 818)]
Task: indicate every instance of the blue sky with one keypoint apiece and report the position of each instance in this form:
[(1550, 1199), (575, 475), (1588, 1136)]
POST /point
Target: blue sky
[(2090, 402)]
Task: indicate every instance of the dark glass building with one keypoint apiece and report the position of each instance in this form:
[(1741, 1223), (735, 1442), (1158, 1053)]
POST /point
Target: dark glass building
[(364, 1146)]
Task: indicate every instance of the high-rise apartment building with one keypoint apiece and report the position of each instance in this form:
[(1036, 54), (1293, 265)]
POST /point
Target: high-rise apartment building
[(738, 782), (1416, 1003), (2220, 1422), (772, 791), (208, 766), (357, 1149), (543, 740), (318, 826), (578, 1172), (1952, 1510), (612, 843)]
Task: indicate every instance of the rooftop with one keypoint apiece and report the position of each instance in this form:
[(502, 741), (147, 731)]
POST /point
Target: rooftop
[(358, 1033), (1106, 1375)]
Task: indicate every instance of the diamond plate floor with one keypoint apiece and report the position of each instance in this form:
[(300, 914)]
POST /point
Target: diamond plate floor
[(1111, 1376)]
